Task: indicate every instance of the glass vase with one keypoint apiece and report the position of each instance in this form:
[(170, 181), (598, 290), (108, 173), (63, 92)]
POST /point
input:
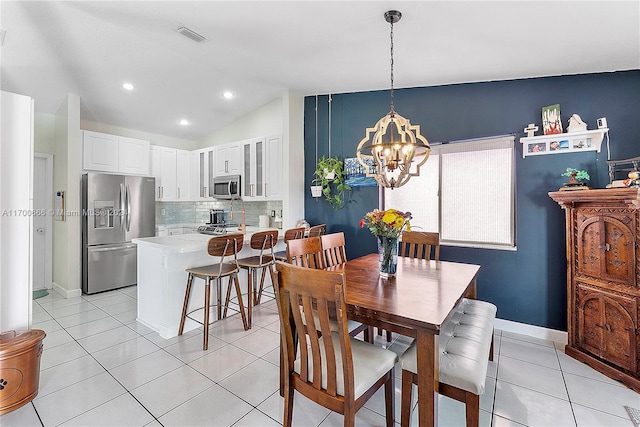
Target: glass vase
[(387, 255)]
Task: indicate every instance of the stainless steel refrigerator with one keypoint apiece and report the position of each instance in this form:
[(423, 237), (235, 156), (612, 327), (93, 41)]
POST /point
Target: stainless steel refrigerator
[(116, 209)]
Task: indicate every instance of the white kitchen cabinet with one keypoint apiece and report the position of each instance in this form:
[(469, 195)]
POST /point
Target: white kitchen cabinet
[(228, 158), (253, 176), (133, 156), (203, 171), (262, 173), (100, 152), (112, 153), (183, 175), (163, 168), (274, 185)]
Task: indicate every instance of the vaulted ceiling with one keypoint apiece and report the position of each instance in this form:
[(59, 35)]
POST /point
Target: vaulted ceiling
[(258, 49)]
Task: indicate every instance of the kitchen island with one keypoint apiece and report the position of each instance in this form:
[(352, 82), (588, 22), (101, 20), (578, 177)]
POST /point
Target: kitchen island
[(162, 277)]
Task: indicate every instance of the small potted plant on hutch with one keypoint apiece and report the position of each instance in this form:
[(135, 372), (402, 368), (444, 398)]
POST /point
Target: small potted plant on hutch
[(329, 175), (576, 178)]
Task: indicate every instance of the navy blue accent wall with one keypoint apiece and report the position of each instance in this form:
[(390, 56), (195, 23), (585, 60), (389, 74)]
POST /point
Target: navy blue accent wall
[(527, 285)]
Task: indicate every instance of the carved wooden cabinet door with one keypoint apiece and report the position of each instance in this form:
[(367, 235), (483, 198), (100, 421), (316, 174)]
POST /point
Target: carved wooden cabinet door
[(606, 245), (607, 325)]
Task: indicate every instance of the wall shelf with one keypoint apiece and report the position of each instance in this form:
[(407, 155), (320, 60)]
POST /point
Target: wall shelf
[(571, 142)]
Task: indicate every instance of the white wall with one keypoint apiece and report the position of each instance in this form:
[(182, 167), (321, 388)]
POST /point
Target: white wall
[(16, 204), (66, 177), (263, 121), (293, 159), (44, 137)]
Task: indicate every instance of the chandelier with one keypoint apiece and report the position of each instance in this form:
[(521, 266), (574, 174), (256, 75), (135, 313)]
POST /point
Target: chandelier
[(393, 150)]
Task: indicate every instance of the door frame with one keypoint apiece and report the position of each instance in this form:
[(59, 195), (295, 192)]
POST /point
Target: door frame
[(48, 199)]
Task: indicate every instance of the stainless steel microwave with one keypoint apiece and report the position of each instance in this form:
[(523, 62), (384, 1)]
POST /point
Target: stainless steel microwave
[(226, 187)]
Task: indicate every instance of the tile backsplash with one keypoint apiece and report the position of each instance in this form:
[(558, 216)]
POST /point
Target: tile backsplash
[(169, 213)]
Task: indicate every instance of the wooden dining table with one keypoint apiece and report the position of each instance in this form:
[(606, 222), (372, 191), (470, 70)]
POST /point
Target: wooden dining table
[(416, 302)]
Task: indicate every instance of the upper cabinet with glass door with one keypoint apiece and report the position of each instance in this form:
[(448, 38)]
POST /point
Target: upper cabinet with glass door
[(203, 172), (253, 183)]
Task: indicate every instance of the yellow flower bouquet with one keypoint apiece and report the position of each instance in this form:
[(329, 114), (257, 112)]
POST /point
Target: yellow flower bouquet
[(387, 223), (387, 226)]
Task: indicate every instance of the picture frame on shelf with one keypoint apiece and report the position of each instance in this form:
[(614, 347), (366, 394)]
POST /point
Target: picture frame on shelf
[(551, 122), (537, 148), (559, 144)]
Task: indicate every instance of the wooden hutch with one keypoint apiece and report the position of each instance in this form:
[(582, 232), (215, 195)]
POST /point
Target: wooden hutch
[(603, 280)]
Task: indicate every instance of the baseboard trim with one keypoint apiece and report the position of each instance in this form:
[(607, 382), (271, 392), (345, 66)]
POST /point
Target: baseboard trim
[(532, 331), (73, 293)]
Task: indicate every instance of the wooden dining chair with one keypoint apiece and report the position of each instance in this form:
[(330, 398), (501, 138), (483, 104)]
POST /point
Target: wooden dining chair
[(317, 230), (334, 370), (333, 248), (290, 234), (419, 244), (222, 247), (264, 242)]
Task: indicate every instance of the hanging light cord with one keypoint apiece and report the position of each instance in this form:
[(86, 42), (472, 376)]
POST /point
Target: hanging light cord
[(392, 109), (330, 123)]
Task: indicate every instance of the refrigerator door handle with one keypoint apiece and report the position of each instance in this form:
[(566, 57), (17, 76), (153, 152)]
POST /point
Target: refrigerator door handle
[(110, 249), (122, 205), (128, 197)]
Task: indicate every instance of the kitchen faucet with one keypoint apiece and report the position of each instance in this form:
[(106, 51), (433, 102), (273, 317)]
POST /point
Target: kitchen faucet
[(243, 224)]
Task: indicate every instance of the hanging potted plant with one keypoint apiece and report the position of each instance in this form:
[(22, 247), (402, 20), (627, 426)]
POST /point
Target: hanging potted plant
[(329, 175), (316, 190)]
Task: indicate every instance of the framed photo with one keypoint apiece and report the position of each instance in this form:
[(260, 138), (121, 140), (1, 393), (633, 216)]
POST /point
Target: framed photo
[(551, 123), (537, 147), (559, 144)]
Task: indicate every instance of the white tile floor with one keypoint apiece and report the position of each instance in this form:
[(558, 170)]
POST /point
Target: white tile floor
[(100, 368)]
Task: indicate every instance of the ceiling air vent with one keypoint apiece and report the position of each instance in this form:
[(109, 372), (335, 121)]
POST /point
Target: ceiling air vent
[(189, 33)]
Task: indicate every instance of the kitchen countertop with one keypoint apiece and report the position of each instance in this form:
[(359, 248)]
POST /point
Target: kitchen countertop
[(184, 243)]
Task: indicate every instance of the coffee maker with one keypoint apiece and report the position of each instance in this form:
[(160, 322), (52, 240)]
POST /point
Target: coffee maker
[(216, 216)]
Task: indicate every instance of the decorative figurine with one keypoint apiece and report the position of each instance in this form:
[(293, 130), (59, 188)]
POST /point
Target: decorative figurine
[(576, 124), (633, 180), (531, 129)]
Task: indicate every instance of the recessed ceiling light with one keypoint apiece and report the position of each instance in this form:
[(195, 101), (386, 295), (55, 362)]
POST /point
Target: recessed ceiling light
[(228, 94), (184, 122), (127, 86)]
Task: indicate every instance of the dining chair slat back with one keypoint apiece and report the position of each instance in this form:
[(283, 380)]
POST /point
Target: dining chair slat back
[(290, 234), (333, 246), (323, 371), (317, 230), (420, 244), (306, 252)]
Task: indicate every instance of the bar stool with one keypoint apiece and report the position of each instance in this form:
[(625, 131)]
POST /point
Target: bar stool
[(290, 234), (317, 230), (219, 246), (264, 241)]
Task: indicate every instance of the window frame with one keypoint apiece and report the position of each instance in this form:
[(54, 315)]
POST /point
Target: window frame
[(481, 144)]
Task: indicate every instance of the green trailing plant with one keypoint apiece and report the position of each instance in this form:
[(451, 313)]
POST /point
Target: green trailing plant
[(332, 189)]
